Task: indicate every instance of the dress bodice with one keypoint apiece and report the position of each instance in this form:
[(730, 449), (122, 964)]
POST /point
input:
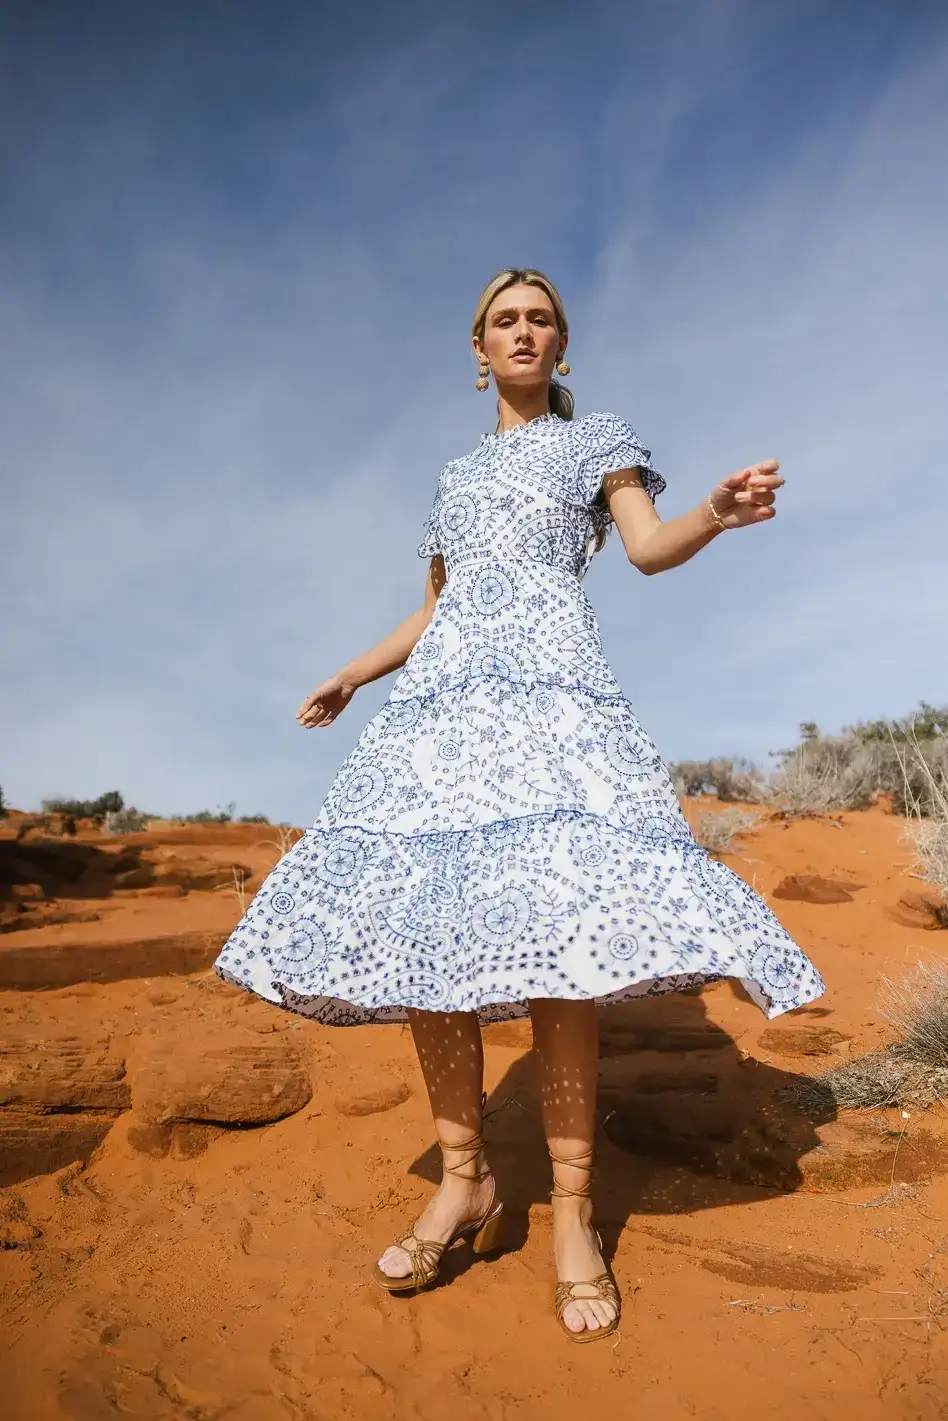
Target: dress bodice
[(529, 494)]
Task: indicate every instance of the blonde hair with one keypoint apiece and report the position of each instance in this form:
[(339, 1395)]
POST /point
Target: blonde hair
[(561, 399)]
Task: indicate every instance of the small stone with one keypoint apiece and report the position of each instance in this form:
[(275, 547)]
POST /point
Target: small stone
[(373, 1100)]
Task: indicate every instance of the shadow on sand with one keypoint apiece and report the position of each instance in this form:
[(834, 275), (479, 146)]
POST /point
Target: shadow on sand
[(685, 1121)]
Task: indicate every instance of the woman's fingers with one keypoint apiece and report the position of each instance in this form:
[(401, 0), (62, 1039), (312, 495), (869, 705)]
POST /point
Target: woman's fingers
[(756, 496), (312, 709), (765, 471)]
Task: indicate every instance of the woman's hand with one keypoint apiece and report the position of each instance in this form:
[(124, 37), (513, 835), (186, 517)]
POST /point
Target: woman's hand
[(323, 705), (748, 496)]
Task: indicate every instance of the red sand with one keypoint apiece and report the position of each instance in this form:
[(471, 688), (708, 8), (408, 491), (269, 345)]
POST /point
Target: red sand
[(770, 1265)]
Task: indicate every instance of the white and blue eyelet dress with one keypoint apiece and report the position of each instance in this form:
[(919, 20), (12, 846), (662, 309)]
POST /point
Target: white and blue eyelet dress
[(504, 828)]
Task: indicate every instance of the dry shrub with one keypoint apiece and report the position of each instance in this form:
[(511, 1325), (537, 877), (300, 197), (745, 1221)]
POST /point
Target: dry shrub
[(911, 772), (905, 760), (916, 1005), (824, 775), (913, 1071), (925, 776), (902, 759), (717, 830), (728, 778)]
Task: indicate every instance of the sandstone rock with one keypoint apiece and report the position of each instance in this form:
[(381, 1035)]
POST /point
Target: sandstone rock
[(373, 1099), (32, 1144), (63, 1073), (17, 1229), (195, 873), (27, 892), (63, 964), (810, 888), (920, 910), (233, 1077), (801, 1040)]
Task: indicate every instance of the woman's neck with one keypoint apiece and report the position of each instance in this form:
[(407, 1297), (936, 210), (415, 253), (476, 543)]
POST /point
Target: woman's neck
[(519, 406)]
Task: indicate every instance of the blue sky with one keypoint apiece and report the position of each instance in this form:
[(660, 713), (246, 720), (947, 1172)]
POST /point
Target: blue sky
[(240, 249)]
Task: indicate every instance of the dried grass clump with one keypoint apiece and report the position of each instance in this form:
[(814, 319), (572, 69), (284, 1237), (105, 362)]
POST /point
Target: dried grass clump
[(287, 836), (925, 777), (717, 830), (912, 1071), (916, 1005), (880, 1078)]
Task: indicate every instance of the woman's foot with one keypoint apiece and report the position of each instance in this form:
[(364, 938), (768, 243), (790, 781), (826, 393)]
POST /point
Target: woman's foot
[(576, 1255), (459, 1201)]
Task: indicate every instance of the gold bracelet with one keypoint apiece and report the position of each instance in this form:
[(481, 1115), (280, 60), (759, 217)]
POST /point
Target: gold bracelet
[(716, 516)]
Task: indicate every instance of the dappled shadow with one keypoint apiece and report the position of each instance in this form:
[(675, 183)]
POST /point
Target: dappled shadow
[(685, 1121)]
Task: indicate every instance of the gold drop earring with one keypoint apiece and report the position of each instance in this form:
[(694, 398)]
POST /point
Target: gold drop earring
[(562, 368), (481, 382)]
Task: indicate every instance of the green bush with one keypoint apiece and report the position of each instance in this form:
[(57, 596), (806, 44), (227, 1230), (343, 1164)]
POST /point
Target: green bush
[(204, 816), (109, 803), (927, 723), (125, 821)]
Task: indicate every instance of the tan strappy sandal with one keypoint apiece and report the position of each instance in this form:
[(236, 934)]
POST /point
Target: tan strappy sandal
[(604, 1283), (426, 1253)]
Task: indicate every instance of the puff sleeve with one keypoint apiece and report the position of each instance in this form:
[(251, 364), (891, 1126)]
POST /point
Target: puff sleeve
[(607, 443)]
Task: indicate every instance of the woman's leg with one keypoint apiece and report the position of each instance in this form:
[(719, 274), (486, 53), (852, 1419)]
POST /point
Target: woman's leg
[(566, 1039), (451, 1055)]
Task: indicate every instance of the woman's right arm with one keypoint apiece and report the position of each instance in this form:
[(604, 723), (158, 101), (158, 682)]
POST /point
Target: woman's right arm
[(325, 703)]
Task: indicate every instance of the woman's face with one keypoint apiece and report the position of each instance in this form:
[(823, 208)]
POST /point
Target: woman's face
[(521, 340)]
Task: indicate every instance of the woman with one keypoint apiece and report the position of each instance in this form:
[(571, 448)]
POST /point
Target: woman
[(504, 837)]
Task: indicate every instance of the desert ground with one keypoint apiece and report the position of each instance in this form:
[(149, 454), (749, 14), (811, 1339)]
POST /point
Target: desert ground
[(195, 1183)]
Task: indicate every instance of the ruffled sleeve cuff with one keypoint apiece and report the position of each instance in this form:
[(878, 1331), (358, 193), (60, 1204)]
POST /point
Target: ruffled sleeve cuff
[(608, 443)]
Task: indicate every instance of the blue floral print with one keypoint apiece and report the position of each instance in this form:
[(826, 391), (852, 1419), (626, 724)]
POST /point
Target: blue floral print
[(504, 828)]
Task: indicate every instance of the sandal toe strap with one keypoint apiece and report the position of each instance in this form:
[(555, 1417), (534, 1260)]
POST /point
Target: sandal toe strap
[(425, 1255), (606, 1292)]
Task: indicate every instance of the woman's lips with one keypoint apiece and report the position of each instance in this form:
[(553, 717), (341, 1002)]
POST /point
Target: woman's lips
[(523, 355)]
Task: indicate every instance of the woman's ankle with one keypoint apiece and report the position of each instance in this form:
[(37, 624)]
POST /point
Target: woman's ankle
[(470, 1178), (569, 1210)]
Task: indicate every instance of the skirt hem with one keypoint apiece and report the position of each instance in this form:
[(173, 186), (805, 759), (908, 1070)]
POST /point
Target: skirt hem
[(341, 1011)]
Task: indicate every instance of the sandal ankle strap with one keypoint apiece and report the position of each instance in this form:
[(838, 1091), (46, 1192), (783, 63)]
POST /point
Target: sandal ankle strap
[(475, 1144), (581, 1161)]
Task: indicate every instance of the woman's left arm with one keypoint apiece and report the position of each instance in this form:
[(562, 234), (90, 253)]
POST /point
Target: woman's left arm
[(653, 546)]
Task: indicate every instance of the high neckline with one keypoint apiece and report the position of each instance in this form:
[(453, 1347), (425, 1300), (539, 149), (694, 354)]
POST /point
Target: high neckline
[(526, 424)]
